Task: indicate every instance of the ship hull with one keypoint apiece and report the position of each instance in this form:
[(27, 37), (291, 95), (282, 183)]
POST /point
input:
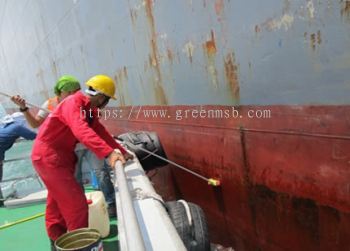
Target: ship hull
[(285, 179)]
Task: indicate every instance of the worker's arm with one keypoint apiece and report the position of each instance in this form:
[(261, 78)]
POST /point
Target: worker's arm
[(33, 120), (106, 136), (24, 132), (71, 115)]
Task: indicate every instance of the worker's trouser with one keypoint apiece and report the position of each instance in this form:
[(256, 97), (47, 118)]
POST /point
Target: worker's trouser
[(101, 171), (66, 207)]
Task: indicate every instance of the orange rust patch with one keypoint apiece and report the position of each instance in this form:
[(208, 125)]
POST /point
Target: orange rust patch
[(209, 48), (211, 45), (219, 6), (154, 56), (231, 73)]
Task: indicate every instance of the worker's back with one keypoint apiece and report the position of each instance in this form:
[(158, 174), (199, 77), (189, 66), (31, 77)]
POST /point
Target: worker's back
[(11, 131)]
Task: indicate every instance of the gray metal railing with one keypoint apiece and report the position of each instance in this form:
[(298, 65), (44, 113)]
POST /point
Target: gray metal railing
[(132, 229)]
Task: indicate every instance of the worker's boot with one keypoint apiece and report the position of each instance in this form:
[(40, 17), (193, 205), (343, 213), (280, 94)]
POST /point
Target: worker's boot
[(53, 248)]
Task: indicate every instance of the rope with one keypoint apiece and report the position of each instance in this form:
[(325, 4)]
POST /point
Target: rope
[(30, 104), (7, 225)]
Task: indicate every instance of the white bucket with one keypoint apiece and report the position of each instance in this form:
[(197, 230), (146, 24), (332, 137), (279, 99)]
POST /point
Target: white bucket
[(98, 214)]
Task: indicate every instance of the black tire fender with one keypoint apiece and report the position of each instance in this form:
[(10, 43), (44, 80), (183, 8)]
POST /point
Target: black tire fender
[(177, 214), (200, 235), (194, 236)]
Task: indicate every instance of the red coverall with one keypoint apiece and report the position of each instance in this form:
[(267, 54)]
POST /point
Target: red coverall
[(54, 159)]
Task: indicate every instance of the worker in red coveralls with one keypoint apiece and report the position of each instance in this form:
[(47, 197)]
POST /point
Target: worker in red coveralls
[(74, 120)]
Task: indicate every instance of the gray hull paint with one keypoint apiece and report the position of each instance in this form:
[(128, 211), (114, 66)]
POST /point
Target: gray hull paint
[(181, 52)]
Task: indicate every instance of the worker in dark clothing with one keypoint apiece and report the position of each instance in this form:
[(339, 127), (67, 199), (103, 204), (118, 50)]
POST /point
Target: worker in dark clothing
[(74, 120), (11, 128)]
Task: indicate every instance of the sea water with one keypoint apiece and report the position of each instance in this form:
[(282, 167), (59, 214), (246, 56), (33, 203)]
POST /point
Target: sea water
[(19, 169)]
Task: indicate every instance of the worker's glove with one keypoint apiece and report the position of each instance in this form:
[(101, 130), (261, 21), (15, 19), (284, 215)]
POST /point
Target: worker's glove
[(18, 100), (115, 156)]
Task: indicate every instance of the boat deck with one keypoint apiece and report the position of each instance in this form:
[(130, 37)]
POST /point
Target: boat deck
[(31, 235)]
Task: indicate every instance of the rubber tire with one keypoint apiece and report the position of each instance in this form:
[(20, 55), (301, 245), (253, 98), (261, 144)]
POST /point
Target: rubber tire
[(200, 235), (148, 141), (178, 216), (160, 150)]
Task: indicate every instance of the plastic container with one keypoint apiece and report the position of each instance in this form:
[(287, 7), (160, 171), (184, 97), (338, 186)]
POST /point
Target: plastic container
[(98, 214)]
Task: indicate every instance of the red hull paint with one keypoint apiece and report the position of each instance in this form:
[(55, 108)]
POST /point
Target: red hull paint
[(285, 180)]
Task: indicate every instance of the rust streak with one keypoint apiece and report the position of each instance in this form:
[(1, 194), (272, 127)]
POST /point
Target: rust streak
[(189, 50), (54, 69), (170, 55), (119, 81), (313, 41), (145, 66), (190, 56), (125, 71), (319, 38), (210, 49), (154, 56), (286, 7), (210, 45), (345, 10), (40, 76), (257, 29), (133, 15), (231, 72)]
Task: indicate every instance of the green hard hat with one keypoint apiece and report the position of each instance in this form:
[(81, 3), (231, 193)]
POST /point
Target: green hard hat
[(66, 83)]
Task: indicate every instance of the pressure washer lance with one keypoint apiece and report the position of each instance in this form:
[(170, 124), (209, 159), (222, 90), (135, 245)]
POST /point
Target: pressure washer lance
[(211, 181), (30, 104)]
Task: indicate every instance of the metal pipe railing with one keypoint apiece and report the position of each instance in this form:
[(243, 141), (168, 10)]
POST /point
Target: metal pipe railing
[(133, 234)]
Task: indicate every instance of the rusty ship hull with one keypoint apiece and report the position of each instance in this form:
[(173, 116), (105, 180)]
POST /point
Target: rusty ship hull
[(285, 177), (285, 184)]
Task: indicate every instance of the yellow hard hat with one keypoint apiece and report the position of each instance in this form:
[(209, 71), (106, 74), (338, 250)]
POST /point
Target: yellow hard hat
[(102, 84)]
